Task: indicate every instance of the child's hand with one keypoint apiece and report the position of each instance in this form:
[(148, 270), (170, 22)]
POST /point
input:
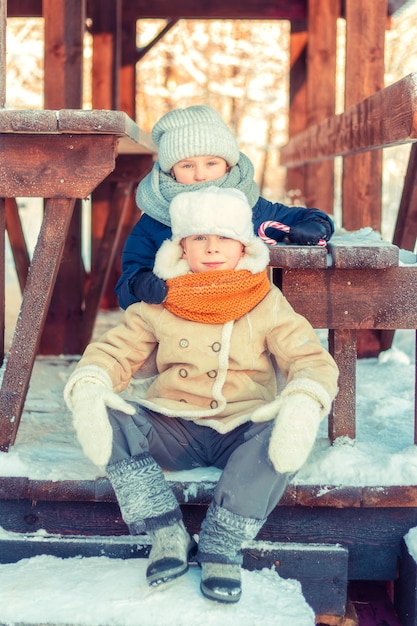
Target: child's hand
[(88, 398), (147, 287), (310, 232), (294, 432)]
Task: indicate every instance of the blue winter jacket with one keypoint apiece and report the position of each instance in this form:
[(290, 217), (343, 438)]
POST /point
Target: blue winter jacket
[(148, 234)]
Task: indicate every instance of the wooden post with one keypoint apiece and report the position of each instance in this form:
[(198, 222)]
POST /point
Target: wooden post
[(106, 31), (362, 173), (2, 278), (321, 93), (64, 30), (3, 25), (405, 233), (297, 117)]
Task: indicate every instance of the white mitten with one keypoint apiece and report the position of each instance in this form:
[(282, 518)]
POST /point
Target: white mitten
[(295, 431), (88, 393)]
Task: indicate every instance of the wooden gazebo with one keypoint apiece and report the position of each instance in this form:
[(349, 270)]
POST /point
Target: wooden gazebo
[(71, 153)]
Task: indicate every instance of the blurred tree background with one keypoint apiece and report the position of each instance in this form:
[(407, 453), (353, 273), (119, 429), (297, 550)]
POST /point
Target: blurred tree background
[(239, 67)]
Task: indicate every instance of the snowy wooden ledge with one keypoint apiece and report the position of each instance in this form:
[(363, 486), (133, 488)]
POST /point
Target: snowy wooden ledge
[(356, 283)]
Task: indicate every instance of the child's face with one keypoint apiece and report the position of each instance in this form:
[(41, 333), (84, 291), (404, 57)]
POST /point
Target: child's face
[(206, 253), (199, 169)]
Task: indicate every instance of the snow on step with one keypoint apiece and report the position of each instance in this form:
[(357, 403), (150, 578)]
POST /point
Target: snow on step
[(102, 591)]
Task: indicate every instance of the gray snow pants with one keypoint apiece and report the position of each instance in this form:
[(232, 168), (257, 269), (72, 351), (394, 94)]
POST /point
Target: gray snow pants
[(248, 486)]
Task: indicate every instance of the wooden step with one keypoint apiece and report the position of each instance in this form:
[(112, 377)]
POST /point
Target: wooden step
[(321, 569)]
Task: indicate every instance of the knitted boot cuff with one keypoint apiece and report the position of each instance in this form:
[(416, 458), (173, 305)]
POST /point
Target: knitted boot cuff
[(222, 535), (145, 499)]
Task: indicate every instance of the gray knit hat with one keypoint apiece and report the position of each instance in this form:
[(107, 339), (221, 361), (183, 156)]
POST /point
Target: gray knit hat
[(195, 131)]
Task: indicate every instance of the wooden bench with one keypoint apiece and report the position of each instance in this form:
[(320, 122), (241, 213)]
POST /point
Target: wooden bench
[(353, 285), (60, 156)]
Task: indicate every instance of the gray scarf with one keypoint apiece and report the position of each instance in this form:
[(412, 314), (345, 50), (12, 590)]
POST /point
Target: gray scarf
[(157, 189)]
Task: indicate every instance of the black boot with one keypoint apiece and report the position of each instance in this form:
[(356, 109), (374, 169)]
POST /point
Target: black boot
[(172, 546), (220, 552), (221, 582)]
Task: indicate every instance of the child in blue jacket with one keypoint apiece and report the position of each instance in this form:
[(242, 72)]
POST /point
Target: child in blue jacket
[(197, 150)]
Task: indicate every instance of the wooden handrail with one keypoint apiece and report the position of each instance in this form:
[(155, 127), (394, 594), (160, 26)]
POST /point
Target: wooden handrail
[(387, 118)]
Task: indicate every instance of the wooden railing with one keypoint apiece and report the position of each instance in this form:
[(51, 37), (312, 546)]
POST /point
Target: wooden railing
[(365, 295), (387, 118)]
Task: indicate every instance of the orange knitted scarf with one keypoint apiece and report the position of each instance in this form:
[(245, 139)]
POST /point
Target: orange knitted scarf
[(216, 297)]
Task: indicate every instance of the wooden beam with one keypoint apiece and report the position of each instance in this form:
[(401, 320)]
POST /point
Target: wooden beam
[(127, 77), (3, 24), (31, 320), (342, 422), (17, 242), (141, 52), (405, 232), (387, 118), (321, 94), (64, 34), (289, 10), (106, 31), (2, 277), (119, 196), (64, 31), (217, 9), (297, 113), (354, 298), (24, 8), (362, 173), (60, 165)]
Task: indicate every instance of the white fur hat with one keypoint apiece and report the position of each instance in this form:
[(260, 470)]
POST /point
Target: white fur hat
[(210, 211), (194, 131)]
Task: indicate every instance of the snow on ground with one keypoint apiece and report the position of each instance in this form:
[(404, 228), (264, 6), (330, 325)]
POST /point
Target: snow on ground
[(99, 591)]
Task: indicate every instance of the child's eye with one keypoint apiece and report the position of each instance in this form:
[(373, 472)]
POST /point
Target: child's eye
[(212, 163)]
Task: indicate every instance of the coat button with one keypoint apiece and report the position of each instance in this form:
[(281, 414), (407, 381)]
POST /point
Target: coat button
[(214, 404), (216, 346), (212, 374), (183, 343), (183, 373)]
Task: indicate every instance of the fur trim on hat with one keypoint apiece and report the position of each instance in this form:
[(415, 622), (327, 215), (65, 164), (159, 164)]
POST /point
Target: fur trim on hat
[(211, 211), (168, 261), (169, 264), (195, 131)]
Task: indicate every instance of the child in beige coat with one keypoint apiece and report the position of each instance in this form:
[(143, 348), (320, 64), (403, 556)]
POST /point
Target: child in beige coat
[(218, 337)]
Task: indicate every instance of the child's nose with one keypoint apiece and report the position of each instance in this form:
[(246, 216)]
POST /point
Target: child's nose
[(199, 174), (212, 245)]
